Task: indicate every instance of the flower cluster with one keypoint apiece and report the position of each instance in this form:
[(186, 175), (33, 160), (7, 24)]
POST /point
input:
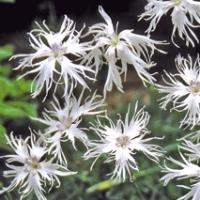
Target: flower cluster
[(63, 59), (66, 58), (183, 91)]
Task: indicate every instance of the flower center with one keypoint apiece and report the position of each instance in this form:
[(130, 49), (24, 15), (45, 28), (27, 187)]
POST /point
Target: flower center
[(177, 2), (68, 122), (122, 142), (195, 87), (115, 40), (65, 123), (33, 163), (57, 50)]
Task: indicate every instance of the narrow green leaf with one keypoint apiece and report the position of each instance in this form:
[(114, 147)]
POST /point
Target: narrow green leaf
[(2, 130), (23, 86), (146, 172), (5, 70), (104, 185), (13, 88), (9, 111), (171, 147), (6, 86), (2, 136), (15, 109), (30, 109), (6, 51)]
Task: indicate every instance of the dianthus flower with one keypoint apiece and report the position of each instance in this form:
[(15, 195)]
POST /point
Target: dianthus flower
[(125, 47), (63, 123), (184, 14), (183, 90), (55, 58), (31, 168), (122, 141)]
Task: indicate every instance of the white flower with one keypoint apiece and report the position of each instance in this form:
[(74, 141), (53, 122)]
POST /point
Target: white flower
[(187, 170), (194, 192), (62, 48), (125, 47), (192, 149), (30, 169), (122, 141), (62, 123), (184, 14), (183, 90)]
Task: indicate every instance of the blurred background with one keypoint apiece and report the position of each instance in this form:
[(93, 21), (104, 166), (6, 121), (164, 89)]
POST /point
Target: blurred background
[(16, 106)]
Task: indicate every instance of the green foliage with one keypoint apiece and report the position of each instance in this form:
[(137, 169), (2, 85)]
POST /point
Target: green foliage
[(13, 88), (102, 186), (14, 101), (15, 109), (2, 136), (6, 52)]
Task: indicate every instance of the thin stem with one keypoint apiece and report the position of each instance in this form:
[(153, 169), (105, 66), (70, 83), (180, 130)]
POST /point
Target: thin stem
[(139, 192)]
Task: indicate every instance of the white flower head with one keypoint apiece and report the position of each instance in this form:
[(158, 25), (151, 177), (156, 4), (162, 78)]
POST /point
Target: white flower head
[(63, 123), (187, 170), (193, 150), (122, 141), (193, 194), (125, 47), (184, 14), (56, 55), (183, 90), (30, 169)]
